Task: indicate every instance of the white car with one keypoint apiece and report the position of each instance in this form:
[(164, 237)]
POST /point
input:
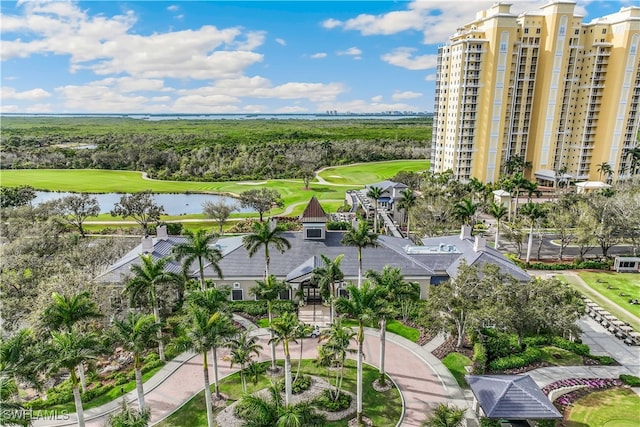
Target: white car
[(315, 333)]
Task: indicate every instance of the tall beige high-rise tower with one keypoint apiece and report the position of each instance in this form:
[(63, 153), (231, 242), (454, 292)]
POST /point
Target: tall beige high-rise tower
[(543, 85)]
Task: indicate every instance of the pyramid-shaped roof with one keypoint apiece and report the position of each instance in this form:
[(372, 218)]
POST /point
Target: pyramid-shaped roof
[(511, 397), (313, 212)]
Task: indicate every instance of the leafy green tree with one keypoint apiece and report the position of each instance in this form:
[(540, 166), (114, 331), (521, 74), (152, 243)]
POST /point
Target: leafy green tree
[(262, 200), (259, 411), (361, 238), (242, 349), (136, 333), (333, 353), (11, 197), (446, 416), (326, 277), (140, 207), (533, 212), (198, 248), (18, 363), (220, 211), (498, 211), (407, 201), (362, 305), (461, 301), (604, 168), (64, 352), (66, 311), (375, 193), (285, 331), (270, 291), (147, 277), (264, 236), (12, 413), (75, 209)]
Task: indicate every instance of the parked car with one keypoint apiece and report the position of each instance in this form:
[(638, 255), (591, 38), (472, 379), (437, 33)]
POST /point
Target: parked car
[(315, 333)]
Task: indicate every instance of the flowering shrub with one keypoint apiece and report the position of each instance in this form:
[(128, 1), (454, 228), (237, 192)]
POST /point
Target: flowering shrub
[(587, 385)]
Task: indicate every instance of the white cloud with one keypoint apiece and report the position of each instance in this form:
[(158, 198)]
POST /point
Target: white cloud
[(108, 45), (377, 98), (403, 57), (331, 23), (4, 108), (281, 42), (319, 55), (173, 8), (436, 20), (28, 95), (405, 95), (430, 77), (352, 51)]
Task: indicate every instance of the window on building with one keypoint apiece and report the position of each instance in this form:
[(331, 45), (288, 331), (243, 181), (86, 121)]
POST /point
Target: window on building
[(236, 295), (314, 233)]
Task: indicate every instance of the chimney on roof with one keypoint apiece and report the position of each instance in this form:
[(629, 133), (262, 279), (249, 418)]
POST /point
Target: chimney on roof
[(465, 233), (161, 231), (480, 244), (147, 244)]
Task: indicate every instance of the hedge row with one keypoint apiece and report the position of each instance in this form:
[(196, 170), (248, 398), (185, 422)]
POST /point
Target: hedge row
[(518, 360), (259, 308)]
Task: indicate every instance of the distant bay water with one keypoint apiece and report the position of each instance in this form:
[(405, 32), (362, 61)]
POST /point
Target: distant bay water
[(174, 204), (157, 117)]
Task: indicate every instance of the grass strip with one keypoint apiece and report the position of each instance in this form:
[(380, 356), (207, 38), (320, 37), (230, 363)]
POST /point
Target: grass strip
[(456, 363), (617, 407)]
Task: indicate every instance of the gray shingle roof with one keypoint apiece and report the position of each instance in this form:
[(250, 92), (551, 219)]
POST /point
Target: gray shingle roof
[(511, 397)]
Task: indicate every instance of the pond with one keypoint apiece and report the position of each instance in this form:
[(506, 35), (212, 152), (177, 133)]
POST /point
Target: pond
[(174, 204)]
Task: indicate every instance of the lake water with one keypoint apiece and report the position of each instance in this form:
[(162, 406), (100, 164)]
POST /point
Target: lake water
[(174, 204)]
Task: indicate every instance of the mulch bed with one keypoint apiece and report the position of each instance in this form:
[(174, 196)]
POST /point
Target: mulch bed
[(449, 346)]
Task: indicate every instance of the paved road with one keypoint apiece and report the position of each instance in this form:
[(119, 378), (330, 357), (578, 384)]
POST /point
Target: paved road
[(421, 378)]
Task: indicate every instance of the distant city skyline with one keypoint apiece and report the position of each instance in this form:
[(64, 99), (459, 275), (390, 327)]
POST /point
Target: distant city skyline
[(238, 57)]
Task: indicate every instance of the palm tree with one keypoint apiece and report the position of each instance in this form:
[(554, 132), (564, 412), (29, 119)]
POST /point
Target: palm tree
[(333, 352), (361, 305), (518, 181), (211, 299), (375, 193), (446, 416), (12, 413), (270, 291), (129, 417), (533, 212), (407, 201), (65, 351), (136, 333), (302, 331), (604, 169), (465, 210), (243, 348), (285, 331), (634, 153), (361, 238), (498, 211), (18, 359), (198, 247), (259, 411), (326, 278), (388, 280), (146, 278), (200, 338), (66, 311), (264, 235)]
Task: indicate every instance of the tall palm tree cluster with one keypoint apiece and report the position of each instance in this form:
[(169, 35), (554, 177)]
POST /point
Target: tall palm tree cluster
[(70, 335)]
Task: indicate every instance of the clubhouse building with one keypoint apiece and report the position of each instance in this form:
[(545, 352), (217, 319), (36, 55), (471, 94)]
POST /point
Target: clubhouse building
[(434, 262)]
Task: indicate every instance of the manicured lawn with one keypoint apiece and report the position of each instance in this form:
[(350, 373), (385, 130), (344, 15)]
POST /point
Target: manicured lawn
[(611, 285), (456, 362), (560, 357), (293, 192), (610, 408), (412, 334), (383, 408), (370, 173)]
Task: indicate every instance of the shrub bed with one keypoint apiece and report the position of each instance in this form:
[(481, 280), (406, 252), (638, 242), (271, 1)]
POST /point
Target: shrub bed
[(630, 380), (298, 386), (325, 402)]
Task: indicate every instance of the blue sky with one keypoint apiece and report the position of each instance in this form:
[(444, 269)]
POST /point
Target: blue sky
[(207, 57)]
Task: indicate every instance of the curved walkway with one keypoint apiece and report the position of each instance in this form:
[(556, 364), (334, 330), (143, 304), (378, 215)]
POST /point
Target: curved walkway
[(422, 379)]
